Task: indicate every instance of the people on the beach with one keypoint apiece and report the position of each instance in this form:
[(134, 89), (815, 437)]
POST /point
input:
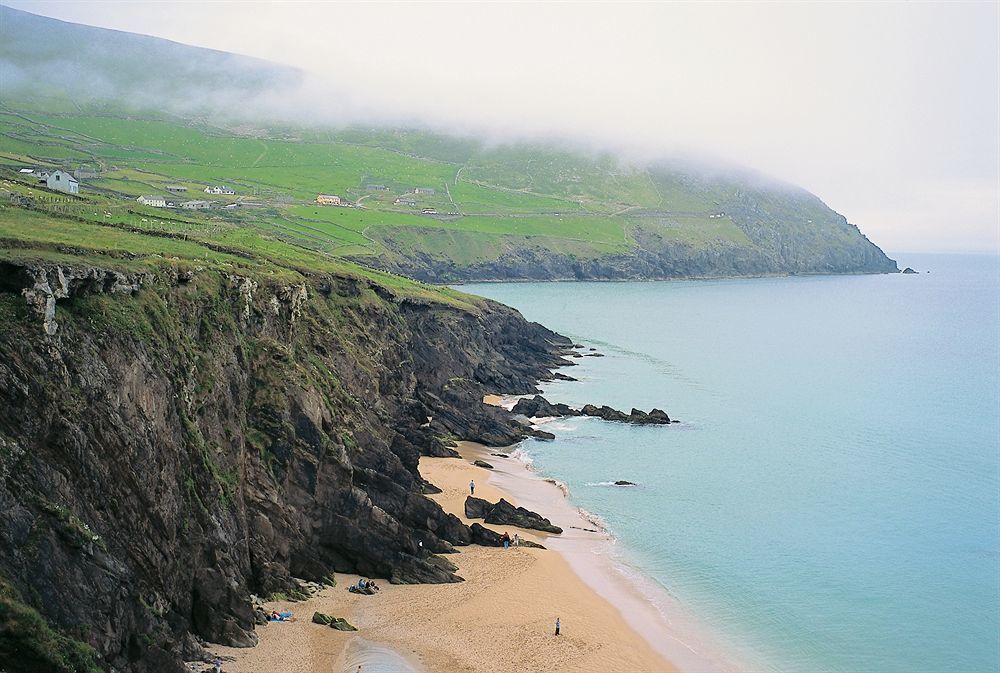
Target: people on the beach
[(505, 538), (517, 540), (276, 616), (472, 487), (557, 626), (218, 665)]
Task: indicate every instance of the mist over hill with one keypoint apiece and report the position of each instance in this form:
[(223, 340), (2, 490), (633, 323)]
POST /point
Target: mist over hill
[(138, 113)]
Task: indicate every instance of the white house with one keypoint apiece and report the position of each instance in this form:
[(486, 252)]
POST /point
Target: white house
[(424, 190), (62, 182), (195, 205), (219, 189), (328, 199), (154, 201)]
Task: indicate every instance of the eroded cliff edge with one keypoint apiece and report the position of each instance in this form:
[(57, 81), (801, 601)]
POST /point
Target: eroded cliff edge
[(172, 442)]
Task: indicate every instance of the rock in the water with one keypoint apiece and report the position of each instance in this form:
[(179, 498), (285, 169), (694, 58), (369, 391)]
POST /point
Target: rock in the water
[(482, 463), (539, 407), (622, 482), (541, 434), (909, 270), (658, 416), (605, 412)]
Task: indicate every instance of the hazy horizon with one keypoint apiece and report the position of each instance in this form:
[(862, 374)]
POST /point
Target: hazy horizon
[(890, 113)]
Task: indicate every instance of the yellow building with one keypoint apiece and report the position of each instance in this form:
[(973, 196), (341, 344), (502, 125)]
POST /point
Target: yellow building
[(328, 200)]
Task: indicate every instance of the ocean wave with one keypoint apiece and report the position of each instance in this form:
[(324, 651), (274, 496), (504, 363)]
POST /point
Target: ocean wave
[(597, 521), (558, 484), (521, 455)]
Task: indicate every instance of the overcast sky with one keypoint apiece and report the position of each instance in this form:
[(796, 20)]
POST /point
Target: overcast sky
[(890, 112)]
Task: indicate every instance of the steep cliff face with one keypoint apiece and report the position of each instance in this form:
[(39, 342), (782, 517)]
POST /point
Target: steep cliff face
[(170, 443)]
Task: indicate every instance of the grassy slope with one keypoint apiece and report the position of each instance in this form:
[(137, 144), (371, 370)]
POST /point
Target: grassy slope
[(95, 230), (564, 201)]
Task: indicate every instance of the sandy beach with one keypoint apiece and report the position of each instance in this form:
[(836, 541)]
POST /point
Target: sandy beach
[(501, 618)]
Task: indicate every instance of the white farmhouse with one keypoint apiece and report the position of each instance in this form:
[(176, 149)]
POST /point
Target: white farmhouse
[(154, 201), (219, 189), (62, 182)]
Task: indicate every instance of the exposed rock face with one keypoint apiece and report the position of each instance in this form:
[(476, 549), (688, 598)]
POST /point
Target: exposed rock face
[(539, 407), (477, 508), (483, 464), (176, 444), (505, 514), (909, 270)]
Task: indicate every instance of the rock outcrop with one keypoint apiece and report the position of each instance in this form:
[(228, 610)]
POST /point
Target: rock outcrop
[(539, 407), (171, 444), (505, 514)]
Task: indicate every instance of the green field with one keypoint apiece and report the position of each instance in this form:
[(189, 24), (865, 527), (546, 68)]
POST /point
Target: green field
[(447, 207), (540, 199)]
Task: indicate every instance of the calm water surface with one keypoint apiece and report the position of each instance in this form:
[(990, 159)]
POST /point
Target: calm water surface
[(831, 499)]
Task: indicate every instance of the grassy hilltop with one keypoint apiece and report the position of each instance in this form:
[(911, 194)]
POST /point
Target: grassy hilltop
[(451, 209)]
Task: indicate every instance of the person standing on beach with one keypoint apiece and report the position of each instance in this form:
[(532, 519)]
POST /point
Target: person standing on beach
[(517, 540), (218, 665), (557, 626), (472, 487)]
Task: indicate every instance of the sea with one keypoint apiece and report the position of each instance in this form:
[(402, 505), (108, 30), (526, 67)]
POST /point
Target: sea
[(830, 499)]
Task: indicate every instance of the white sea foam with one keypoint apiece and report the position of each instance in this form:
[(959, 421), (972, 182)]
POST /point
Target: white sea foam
[(522, 456), (560, 485)]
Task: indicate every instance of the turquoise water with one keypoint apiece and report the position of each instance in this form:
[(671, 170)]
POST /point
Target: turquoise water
[(831, 499)]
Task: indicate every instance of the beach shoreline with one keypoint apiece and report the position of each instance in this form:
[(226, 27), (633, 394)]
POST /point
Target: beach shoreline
[(504, 611)]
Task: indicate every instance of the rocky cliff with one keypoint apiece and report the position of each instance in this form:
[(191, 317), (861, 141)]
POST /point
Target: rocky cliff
[(172, 442)]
